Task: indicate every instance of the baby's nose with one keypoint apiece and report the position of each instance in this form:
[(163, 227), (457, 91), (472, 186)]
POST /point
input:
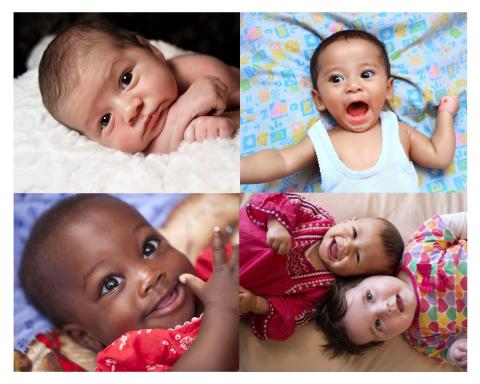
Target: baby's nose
[(353, 86), (132, 110), (391, 305)]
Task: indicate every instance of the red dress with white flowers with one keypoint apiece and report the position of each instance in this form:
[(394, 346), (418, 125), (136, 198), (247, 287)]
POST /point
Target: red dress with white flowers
[(290, 283)]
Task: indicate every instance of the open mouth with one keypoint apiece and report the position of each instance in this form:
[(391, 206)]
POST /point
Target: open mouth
[(357, 110), (333, 250), (400, 304)]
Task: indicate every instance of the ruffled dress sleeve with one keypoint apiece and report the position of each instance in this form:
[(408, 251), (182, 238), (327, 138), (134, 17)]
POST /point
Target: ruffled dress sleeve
[(148, 349)]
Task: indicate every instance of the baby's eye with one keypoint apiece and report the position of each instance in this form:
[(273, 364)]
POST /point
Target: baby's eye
[(126, 79), (378, 324), (105, 120), (354, 232), (336, 79), (369, 296), (110, 284), (367, 74), (149, 248)]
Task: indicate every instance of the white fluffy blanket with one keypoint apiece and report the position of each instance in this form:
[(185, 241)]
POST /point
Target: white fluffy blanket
[(50, 158)]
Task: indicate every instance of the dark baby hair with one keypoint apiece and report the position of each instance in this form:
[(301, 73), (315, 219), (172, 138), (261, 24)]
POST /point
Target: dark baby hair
[(42, 250), (392, 244), (346, 35), (58, 70), (329, 318)]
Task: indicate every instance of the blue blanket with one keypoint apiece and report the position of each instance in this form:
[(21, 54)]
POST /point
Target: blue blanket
[(428, 49)]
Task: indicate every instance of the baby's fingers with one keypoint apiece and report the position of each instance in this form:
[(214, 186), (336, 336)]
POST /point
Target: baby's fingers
[(449, 104), (193, 282), (283, 249), (234, 258), (219, 253)]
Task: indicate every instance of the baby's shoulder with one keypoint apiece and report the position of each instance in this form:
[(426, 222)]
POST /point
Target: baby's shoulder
[(405, 132), (198, 65)]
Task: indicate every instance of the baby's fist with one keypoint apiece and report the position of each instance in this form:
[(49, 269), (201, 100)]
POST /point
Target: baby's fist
[(457, 353), (449, 104)]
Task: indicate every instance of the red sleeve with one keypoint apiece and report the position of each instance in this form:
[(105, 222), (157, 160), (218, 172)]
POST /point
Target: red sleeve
[(143, 350), (289, 209), (280, 322), (203, 264)]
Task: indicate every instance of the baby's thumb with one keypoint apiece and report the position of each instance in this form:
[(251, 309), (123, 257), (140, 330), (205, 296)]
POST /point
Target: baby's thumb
[(193, 282)]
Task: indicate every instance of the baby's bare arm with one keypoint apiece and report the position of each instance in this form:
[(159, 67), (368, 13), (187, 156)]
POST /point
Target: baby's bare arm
[(206, 86), (189, 68), (437, 151), (271, 164), (216, 346)]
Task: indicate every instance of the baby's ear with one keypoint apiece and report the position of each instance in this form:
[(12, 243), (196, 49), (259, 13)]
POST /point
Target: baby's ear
[(390, 88), (147, 44), (82, 337), (318, 101)]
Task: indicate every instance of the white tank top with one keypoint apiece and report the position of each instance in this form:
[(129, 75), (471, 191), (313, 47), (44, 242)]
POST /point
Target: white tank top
[(393, 171)]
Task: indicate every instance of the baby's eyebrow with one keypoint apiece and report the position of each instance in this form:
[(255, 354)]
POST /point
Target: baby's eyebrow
[(91, 271), (109, 75)]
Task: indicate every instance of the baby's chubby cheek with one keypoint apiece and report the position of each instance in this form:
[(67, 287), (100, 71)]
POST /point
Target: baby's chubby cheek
[(128, 144)]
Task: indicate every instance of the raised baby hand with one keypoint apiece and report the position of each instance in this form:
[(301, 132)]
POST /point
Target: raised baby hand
[(216, 346), (457, 353), (449, 104), (278, 237), (220, 291), (208, 127)]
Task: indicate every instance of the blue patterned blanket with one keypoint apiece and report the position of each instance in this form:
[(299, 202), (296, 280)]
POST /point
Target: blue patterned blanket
[(429, 49)]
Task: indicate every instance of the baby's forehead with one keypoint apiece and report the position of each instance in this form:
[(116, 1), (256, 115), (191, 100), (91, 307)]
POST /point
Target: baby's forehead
[(351, 40)]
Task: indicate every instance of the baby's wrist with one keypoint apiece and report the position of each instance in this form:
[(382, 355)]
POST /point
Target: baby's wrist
[(446, 112), (221, 310)]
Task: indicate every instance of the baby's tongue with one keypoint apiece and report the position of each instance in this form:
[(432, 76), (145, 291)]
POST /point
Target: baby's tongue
[(334, 250), (358, 108)]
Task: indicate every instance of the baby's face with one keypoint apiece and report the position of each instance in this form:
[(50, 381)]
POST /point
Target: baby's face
[(122, 275), (379, 308), (352, 84), (354, 247), (122, 97)]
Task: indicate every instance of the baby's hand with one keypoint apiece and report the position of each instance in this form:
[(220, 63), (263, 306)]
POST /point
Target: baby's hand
[(278, 237), (449, 104), (208, 127), (457, 353), (220, 291), (247, 300), (207, 95)]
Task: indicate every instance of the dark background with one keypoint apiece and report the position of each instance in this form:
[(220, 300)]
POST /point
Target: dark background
[(215, 34)]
